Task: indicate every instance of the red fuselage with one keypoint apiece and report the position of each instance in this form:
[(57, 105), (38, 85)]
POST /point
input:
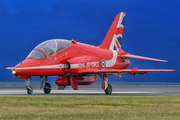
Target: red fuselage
[(79, 56)]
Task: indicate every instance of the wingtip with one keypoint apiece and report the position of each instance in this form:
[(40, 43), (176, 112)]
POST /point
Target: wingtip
[(169, 70), (164, 61)]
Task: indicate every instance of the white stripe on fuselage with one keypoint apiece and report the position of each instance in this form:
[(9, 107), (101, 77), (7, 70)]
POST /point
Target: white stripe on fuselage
[(111, 63), (74, 65), (42, 67)]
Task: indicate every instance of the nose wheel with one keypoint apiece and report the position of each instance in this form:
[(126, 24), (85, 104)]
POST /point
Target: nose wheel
[(29, 90)]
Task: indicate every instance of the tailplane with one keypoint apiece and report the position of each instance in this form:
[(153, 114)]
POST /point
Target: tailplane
[(113, 38)]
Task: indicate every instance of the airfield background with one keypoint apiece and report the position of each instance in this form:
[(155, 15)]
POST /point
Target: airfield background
[(151, 28)]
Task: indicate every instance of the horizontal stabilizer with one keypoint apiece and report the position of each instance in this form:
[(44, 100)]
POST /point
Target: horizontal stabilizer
[(141, 57)]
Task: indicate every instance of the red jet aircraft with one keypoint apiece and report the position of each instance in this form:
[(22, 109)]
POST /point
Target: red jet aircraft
[(76, 63)]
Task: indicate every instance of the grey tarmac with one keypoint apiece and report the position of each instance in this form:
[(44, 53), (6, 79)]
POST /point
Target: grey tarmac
[(127, 90)]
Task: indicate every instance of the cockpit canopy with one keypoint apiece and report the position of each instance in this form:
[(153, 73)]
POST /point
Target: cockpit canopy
[(49, 47)]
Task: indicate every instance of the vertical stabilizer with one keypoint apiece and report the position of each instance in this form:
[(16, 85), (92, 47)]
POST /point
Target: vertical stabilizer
[(113, 38)]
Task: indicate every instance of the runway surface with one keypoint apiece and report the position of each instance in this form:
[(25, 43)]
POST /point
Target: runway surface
[(128, 90)]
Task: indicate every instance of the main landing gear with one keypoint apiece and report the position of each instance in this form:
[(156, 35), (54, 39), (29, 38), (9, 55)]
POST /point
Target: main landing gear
[(107, 87), (46, 86), (108, 90)]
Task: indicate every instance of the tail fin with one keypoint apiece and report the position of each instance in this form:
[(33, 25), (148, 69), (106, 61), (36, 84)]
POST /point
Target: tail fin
[(113, 38)]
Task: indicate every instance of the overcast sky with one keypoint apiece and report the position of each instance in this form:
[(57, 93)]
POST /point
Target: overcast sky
[(151, 29)]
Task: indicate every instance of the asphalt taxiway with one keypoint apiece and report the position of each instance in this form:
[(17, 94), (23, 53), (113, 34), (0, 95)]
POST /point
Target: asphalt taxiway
[(131, 90)]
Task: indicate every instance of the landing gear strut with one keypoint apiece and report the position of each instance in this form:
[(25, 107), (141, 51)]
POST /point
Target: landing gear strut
[(46, 86), (29, 88)]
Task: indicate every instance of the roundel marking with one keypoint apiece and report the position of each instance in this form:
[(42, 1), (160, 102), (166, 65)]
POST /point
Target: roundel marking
[(60, 67), (103, 64)]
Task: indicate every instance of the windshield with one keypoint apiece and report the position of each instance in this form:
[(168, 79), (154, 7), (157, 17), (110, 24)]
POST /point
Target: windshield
[(49, 47), (62, 45), (36, 54)]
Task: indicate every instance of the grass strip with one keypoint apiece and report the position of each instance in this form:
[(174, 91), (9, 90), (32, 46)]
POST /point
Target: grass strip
[(92, 107)]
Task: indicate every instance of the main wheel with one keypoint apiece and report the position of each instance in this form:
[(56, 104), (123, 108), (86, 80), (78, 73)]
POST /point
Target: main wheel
[(29, 90), (108, 90), (47, 88)]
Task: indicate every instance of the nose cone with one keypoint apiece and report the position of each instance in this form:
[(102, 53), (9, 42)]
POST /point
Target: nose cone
[(23, 67), (18, 69), (18, 66), (29, 62), (32, 67)]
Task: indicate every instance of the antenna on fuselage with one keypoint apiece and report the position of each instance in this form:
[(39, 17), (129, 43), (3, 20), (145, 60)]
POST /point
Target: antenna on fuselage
[(76, 39)]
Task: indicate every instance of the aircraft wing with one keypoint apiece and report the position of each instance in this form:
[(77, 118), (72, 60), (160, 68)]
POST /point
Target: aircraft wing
[(118, 72)]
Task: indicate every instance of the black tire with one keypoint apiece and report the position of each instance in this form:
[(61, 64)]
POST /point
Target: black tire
[(29, 90), (47, 88), (108, 90)]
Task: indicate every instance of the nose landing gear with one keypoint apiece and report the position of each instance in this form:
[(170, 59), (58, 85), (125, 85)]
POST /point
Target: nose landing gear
[(46, 86), (29, 88)]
